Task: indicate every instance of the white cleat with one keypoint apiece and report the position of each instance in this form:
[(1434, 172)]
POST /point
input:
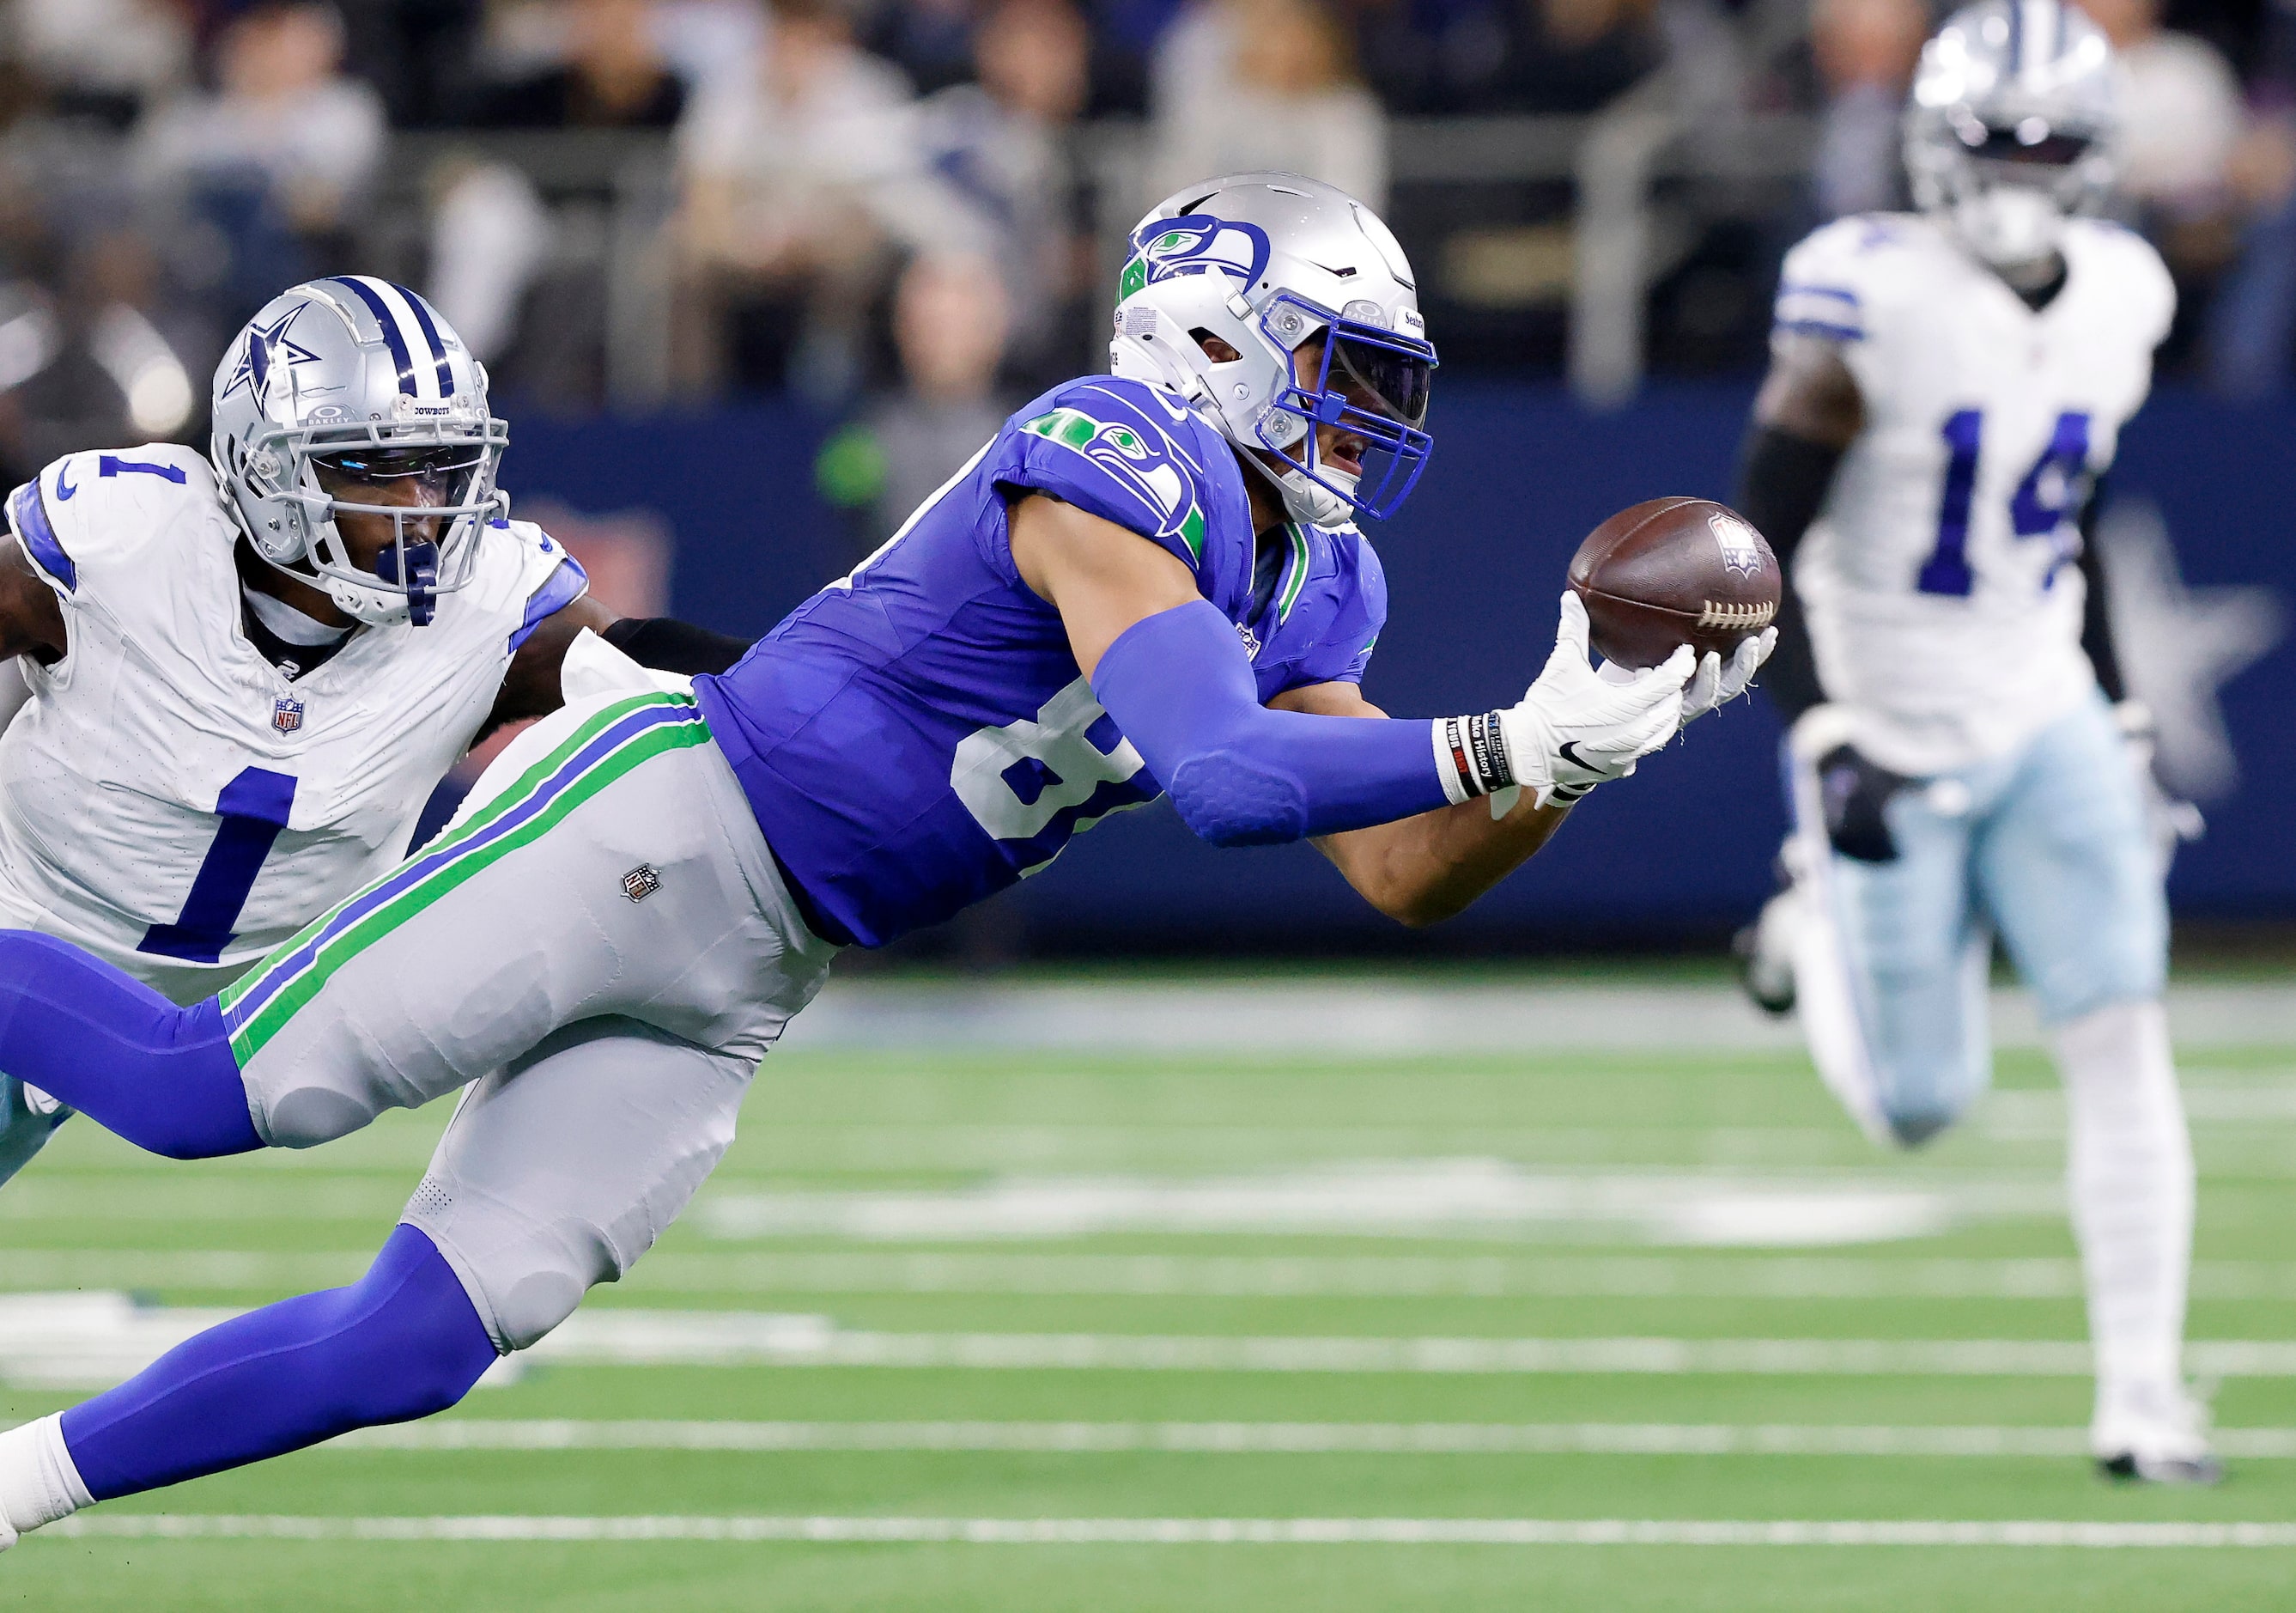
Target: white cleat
[(2153, 1434), (8, 1536)]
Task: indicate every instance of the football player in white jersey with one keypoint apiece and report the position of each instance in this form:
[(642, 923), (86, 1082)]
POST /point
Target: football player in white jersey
[(1946, 390), (247, 672)]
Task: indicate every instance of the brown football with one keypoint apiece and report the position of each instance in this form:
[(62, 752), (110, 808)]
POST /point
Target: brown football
[(1672, 571)]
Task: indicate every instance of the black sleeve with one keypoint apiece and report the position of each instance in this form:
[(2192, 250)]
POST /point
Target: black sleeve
[(1783, 480), (2096, 612), (667, 645)]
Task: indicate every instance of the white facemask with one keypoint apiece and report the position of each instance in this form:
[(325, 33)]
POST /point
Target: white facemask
[(2008, 224)]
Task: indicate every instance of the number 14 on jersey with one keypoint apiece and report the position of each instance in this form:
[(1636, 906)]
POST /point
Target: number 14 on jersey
[(2052, 492)]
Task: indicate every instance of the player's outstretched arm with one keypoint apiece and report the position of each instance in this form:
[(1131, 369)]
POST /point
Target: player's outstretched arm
[(1564, 738), (1169, 667), (1423, 871)]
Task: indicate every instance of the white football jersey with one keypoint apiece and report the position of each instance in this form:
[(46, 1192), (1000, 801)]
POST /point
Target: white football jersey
[(1938, 581), (168, 799)]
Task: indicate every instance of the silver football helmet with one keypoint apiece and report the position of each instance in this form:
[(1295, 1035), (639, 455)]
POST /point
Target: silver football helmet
[(352, 380), (2011, 126), (1266, 262)]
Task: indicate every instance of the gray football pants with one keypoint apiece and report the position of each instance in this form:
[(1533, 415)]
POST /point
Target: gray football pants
[(600, 948)]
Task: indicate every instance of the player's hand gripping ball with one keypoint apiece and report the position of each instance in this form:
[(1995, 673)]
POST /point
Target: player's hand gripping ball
[(1672, 571)]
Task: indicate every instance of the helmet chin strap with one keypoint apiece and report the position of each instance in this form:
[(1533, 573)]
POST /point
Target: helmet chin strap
[(1304, 498)]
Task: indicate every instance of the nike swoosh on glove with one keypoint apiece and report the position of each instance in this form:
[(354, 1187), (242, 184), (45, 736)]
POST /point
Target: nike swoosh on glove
[(1576, 728)]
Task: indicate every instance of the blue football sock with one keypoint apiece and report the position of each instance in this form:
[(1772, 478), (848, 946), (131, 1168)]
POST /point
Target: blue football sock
[(113, 1047), (402, 1342)]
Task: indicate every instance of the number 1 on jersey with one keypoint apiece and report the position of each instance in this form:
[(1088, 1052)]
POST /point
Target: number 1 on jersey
[(254, 808), (2050, 489)]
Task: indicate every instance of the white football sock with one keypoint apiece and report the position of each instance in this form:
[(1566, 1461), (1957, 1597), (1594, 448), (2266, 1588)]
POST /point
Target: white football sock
[(2130, 1164), (39, 1482)]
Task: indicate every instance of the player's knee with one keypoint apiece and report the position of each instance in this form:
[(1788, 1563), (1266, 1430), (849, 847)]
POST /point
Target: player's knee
[(2129, 965), (304, 1118), (414, 1342), (524, 1276), (535, 1304)]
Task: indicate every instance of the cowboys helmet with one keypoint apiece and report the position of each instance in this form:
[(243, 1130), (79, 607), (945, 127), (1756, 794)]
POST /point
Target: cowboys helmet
[(2010, 129), (363, 378), (1266, 262)]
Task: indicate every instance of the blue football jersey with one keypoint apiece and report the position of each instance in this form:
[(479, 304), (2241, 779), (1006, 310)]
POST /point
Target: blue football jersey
[(917, 736)]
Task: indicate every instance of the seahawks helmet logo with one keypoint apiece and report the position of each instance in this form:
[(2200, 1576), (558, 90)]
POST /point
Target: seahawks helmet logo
[(1194, 243)]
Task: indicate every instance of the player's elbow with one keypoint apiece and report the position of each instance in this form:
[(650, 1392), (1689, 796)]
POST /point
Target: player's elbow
[(1230, 799), (1416, 907)]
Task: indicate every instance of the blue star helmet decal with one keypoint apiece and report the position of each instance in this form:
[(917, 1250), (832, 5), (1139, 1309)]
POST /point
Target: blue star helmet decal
[(265, 346)]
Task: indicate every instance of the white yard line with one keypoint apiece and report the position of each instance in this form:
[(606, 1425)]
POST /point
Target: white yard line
[(75, 1339), (1466, 1197), (1189, 1531), (1731, 1275), (1375, 1015), (1272, 1438), (619, 1338)]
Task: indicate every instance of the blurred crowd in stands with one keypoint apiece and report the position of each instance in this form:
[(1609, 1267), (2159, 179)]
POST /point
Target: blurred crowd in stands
[(891, 205)]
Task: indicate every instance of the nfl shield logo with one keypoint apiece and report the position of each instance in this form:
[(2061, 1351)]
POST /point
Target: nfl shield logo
[(286, 713)]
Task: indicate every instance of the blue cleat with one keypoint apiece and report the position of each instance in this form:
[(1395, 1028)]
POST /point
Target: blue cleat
[(28, 1118)]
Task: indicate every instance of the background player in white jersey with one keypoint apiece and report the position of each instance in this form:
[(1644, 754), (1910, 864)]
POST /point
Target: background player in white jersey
[(246, 675), (1946, 391)]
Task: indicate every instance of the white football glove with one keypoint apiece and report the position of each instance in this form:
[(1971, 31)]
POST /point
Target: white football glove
[(1716, 685), (1576, 728)]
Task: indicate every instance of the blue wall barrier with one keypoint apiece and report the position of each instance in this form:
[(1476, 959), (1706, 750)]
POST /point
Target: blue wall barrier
[(1475, 564)]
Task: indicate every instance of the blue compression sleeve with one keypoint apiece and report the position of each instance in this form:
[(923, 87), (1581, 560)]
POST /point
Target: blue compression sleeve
[(113, 1047), (1179, 686), (402, 1342)]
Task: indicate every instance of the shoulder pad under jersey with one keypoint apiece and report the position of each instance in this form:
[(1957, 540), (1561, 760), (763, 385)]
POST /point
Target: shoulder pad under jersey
[(2142, 293), (547, 579), (1136, 457), (1840, 277), (106, 517)]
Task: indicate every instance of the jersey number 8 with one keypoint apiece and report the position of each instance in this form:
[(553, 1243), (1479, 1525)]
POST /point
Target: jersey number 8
[(1069, 768)]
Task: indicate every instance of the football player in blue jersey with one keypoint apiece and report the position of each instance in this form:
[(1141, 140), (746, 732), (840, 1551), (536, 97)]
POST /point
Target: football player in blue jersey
[(1147, 582)]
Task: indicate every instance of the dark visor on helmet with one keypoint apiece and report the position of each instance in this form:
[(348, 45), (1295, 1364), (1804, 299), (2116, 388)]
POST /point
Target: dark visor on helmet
[(376, 464), (2028, 143), (1398, 379)]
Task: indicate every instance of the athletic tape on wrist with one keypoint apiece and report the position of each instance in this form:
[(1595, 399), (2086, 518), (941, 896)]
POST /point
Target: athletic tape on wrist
[(1469, 757)]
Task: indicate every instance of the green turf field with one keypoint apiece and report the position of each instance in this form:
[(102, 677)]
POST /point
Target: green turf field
[(983, 1328)]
